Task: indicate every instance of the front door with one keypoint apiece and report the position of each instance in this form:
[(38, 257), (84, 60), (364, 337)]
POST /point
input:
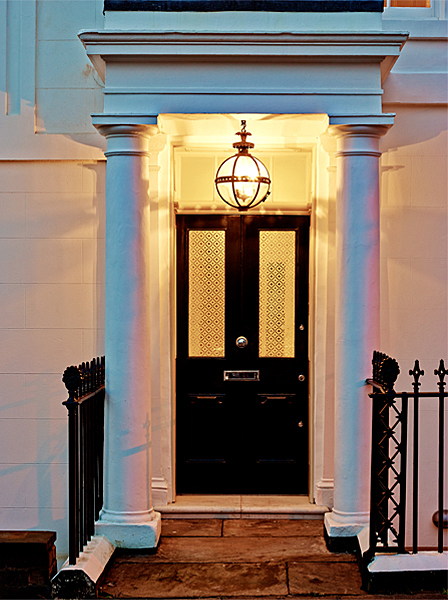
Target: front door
[(242, 354)]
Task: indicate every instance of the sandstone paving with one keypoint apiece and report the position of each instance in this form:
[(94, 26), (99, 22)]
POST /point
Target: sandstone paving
[(233, 549), (273, 528), (191, 527), (195, 580), (316, 578), (246, 559)]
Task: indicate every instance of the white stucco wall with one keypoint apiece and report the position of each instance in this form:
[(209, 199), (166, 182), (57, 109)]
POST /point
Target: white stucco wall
[(52, 212), (414, 245)]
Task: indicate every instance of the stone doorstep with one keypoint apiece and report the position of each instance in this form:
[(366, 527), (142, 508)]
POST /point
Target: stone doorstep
[(216, 507), (81, 580)]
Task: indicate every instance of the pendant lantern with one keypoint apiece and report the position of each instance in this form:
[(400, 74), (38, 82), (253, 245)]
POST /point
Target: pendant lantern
[(242, 181)]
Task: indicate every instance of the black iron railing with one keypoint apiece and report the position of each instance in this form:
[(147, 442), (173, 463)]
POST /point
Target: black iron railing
[(85, 405), (389, 455)]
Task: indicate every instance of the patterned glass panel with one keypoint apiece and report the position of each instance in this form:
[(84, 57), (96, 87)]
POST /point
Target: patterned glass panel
[(277, 293), (206, 297)]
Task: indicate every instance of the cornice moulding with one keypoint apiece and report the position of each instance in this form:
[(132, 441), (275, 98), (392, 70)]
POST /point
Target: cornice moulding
[(168, 38), (381, 47)]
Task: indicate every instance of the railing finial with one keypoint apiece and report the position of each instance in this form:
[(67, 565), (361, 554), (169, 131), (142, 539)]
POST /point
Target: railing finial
[(416, 372), (72, 379), (441, 372), (385, 370)]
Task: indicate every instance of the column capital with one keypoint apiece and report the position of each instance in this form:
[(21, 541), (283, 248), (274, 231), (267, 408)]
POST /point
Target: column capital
[(358, 140), (126, 134), (359, 134)]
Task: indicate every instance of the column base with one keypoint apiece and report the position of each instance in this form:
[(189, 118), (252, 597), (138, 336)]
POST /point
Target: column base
[(341, 530), (127, 531)]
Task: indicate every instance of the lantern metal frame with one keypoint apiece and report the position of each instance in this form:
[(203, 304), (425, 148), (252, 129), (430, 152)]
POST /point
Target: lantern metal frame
[(243, 147)]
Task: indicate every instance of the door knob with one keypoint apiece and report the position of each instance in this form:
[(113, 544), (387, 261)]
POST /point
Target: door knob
[(300, 424), (241, 341), (301, 377)]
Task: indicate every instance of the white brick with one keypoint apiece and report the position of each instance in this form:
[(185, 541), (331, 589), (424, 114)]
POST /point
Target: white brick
[(12, 302), (416, 132), (40, 261), (44, 394), (395, 180), (39, 350), (46, 486), (62, 216), (428, 285), (404, 339), (429, 180), (12, 215), (14, 483), (92, 343), (41, 176), (64, 64), (414, 284), (33, 441), (396, 277), (12, 396), (93, 261), (67, 306), (67, 110), (413, 233), (62, 19), (94, 182)]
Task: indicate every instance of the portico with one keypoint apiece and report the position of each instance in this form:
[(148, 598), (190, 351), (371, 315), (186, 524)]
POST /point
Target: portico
[(166, 90)]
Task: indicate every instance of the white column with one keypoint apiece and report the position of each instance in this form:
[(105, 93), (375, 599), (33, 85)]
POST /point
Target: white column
[(357, 320), (127, 519)]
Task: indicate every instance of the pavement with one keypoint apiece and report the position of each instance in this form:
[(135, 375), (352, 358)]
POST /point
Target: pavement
[(239, 559)]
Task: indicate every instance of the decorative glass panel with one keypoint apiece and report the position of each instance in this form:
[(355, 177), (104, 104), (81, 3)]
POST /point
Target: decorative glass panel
[(206, 297), (277, 293)]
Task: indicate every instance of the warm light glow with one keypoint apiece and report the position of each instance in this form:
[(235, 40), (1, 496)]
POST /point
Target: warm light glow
[(242, 180), (407, 3)]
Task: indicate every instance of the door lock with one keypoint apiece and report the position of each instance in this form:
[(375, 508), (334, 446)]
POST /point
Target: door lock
[(241, 341), (301, 377)]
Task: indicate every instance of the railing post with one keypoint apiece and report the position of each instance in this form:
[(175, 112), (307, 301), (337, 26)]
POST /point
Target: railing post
[(373, 478), (441, 372), (416, 372), (72, 379), (403, 471), (385, 372)]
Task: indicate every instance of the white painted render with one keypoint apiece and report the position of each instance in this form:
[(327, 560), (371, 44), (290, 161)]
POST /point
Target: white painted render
[(52, 208)]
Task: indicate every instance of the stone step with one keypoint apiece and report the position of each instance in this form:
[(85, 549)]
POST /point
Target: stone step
[(242, 507)]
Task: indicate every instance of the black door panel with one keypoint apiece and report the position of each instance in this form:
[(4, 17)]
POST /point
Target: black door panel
[(247, 433)]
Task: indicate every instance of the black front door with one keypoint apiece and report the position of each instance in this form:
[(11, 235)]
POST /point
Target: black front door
[(242, 354)]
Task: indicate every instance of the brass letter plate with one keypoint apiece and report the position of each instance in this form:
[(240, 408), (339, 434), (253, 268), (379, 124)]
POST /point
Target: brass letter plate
[(241, 375)]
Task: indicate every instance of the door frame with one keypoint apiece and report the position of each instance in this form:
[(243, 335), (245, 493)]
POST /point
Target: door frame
[(310, 330)]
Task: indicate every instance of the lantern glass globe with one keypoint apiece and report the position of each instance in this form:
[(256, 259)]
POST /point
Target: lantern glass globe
[(241, 181)]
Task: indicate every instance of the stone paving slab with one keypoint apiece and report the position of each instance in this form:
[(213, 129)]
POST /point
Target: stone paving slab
[(233, 549), (195, 580), (273, 528), (191, 527), (317, 578)]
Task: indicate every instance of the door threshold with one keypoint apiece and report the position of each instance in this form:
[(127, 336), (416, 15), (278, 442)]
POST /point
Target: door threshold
[(191, 506)]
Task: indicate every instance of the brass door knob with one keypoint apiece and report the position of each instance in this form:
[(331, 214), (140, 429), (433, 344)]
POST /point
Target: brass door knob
[(241, 341), (301, 377)]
